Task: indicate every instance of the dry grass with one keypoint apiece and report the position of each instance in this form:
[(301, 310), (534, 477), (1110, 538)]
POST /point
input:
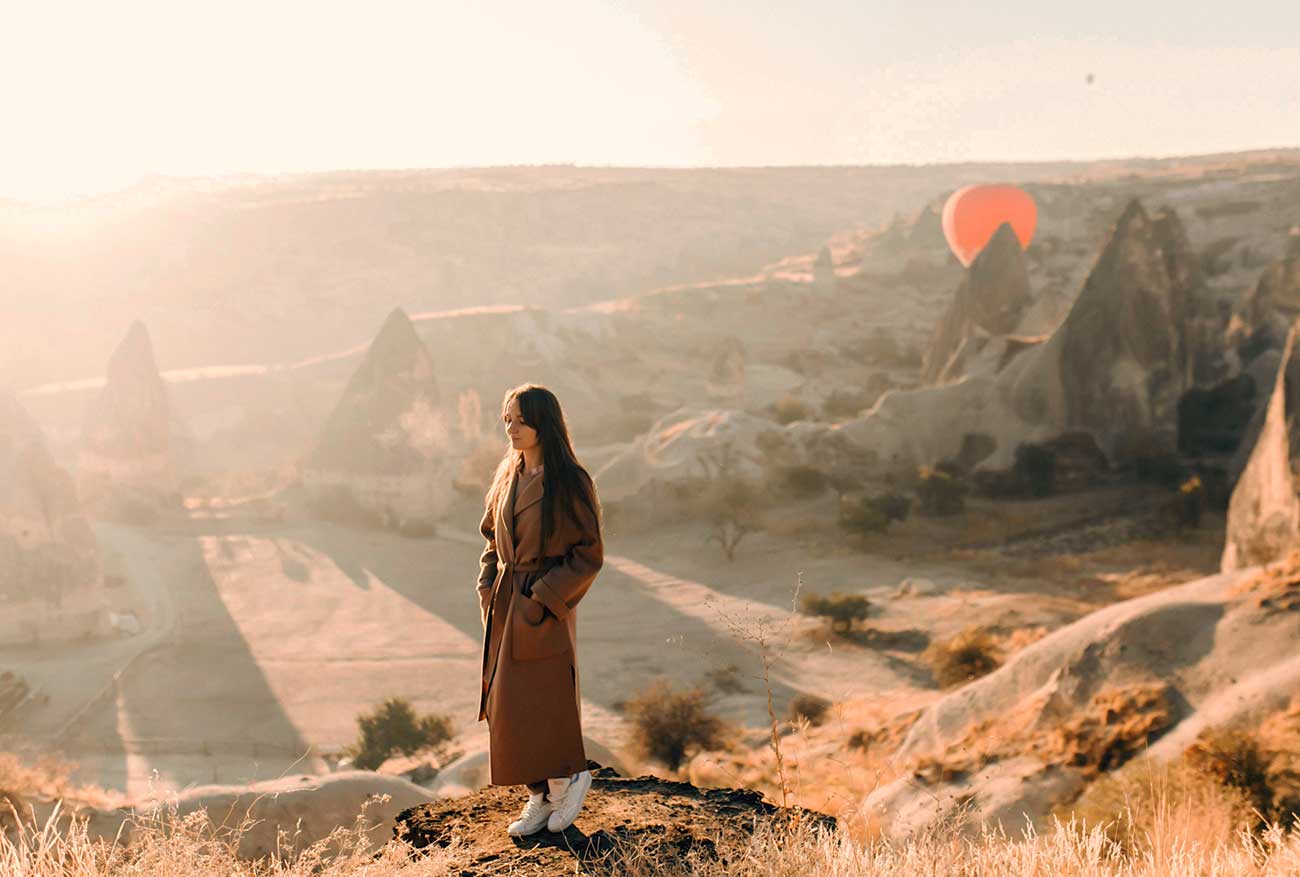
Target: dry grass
[(970, 654), (1175, 844), (1114, 726), (1275, 587)]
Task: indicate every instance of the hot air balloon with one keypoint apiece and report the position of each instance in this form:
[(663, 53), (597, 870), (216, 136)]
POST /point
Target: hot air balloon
[(973, 213)]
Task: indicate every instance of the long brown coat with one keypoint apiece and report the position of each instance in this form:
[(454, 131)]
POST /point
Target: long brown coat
[(530, 695)]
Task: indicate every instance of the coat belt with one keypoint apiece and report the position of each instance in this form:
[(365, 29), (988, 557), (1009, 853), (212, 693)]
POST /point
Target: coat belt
[(523, 565)]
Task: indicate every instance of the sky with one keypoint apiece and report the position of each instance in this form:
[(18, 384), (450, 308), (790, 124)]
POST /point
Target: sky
[(96, 95)]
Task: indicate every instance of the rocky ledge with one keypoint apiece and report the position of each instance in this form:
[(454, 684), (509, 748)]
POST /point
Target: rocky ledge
[(666, 820)]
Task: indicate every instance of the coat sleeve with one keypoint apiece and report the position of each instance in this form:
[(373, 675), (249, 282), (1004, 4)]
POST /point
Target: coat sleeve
[(487, 561), (564, 585)]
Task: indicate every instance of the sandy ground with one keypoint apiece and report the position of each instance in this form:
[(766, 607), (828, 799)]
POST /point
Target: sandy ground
[(264, 640)]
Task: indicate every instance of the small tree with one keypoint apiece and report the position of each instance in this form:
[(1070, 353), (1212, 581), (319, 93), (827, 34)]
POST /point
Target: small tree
[(733, 505), (394, 727)]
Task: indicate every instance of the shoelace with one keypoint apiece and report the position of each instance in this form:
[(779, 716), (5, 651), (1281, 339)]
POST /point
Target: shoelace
[(531, 808)]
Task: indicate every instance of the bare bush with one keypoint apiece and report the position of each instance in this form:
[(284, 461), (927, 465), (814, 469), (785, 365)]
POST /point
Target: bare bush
[(967, 656), (667, 723)]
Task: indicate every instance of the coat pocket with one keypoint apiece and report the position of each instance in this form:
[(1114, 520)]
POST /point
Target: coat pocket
[(532, 642)]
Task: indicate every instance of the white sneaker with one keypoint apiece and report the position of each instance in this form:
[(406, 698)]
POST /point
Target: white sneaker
[(533, 818), (569, 801)]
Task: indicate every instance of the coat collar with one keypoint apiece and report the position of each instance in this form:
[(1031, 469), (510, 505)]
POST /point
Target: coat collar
[(533, 493)]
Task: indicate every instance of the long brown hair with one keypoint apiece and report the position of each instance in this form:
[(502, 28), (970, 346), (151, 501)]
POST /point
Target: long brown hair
[(564, 480)]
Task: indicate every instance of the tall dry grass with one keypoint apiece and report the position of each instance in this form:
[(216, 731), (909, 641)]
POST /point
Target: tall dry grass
[(189, 847)]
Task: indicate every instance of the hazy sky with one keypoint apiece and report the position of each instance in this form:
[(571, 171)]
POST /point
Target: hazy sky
[(96, 94)]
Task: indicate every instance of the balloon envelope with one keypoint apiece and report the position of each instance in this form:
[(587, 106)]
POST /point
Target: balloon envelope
[(972, 214)]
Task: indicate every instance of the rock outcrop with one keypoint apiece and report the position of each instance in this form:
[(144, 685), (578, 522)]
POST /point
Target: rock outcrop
[(51, 584), (126, 465), (691, 443), (386, 450), (1123, 358), (1136, 679), (1264, 511), (1273, 304), (990, 302), (662, 818), (1115, 368)]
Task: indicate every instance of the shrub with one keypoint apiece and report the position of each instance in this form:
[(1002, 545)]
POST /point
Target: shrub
[(667, 722), (1134, 803), (1233, 759), (967, 656), (393, 727), (788, 409), (842, 609), (894, 506), (860, 516), (802, 481), (726, 679), (941, 491), (1035, 465), (810, 707), (872, 514)]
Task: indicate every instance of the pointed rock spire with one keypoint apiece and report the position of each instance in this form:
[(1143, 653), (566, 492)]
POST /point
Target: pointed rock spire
[(990, 300)]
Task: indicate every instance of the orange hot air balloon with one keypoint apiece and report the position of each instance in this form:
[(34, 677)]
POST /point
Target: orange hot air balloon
[(973, 213)]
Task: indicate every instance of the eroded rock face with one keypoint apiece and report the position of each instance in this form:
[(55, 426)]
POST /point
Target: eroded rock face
[(126, 461), (387, 445), (1125, 358), (672, 819), (1270, 308), (990, 301), (1264, 511), (1136, 679), (51, 585)]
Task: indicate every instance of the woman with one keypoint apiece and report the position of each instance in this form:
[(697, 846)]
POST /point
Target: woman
[(542, 525)]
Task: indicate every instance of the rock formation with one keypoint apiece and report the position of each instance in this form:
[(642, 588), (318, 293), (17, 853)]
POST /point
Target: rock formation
[(990, 301), (51, 584), (385, 452), (126, 465), (1264, 511), (664, 819), (1137, 679), (1122, 354), (691, 443), (1266, 314)]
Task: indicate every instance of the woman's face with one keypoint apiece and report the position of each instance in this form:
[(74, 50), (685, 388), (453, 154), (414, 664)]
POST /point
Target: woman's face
[(522, 436)]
